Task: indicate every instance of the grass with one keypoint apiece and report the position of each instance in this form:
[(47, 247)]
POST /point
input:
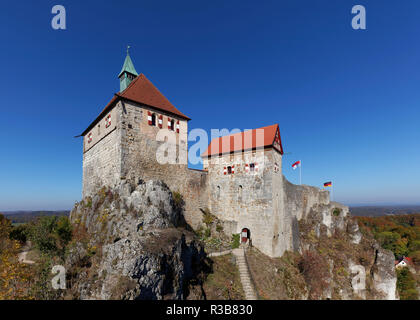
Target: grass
[(224, 282), (276, 278)]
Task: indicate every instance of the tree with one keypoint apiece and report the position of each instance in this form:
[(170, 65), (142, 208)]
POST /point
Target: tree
[(406, 285), (14, 276), (19, 233), (41, 234)]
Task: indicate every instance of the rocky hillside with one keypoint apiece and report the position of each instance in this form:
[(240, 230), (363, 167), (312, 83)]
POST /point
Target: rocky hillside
[(131, 243), (335, 261)]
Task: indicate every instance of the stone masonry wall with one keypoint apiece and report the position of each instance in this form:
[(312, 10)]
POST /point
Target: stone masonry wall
[(139, 159), (299, 199), (101, 164), (244, 199)]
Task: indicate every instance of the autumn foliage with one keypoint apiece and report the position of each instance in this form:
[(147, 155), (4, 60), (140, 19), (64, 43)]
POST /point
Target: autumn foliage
[(14, 276), (398, 233)]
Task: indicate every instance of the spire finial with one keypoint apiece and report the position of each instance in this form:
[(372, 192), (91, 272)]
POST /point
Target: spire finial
[(128, 49)]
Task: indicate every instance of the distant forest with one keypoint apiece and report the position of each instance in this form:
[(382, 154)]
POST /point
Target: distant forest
[(18, 217), (376, 211)]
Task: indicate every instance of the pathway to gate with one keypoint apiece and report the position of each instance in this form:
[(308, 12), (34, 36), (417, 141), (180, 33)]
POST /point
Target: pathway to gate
[(244, 274)]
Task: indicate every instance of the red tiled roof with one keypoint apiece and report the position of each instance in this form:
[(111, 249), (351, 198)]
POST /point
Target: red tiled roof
[(244, 141), (141, 90)]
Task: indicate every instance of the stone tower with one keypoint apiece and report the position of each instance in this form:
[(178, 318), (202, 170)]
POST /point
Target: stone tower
[(123, 143), (245, 186)]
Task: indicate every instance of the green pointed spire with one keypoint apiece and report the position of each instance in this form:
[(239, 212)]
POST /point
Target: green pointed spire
[(128, 72)]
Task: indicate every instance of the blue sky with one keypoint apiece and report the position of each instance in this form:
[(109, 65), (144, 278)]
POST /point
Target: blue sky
[(347, 101)]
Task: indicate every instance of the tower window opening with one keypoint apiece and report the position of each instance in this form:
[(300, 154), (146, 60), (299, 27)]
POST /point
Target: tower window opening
[(229, 170), (252, 167), (154, 119)]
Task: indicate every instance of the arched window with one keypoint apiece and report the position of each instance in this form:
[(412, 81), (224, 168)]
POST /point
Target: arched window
[(240, 193), (218, 192), (153, 119), (229, 170)]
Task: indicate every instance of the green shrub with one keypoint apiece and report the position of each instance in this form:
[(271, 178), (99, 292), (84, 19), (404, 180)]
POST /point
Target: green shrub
[(208, 218), (50, 234), (19, 233), (235, 240), (406, 285), (64, 230), (88, 203), (207, 233), (336, 212), (178, 199)]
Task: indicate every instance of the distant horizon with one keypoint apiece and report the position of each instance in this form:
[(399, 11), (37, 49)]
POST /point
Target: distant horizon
[(397, 205)]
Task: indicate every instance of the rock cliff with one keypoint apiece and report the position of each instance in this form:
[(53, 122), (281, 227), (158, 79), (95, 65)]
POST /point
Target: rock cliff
[(333, 260), (131, 244)]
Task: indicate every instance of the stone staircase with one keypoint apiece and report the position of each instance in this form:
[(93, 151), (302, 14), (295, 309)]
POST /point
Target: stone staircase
[(244, 274)]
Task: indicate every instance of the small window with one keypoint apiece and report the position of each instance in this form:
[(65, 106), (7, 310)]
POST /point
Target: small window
[(218, 192), (229, 170), (172, 125), (252, 167), (154, 119), (240, 193), (108, 121)]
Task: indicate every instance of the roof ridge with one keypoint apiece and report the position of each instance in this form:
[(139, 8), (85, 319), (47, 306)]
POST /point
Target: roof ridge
[(241, 132), (269, 137)]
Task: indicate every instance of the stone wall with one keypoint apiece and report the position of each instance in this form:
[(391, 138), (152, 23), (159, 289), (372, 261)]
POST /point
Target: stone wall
[(299, 199), (104, 127), (246, 199), (139, 159), (102, 164)]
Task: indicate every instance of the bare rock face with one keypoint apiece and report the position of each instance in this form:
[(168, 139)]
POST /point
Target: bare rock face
[(132, 245), (384, 278), (356, 266)]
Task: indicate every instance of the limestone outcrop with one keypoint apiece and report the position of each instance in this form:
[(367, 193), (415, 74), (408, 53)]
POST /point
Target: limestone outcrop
[(132, 242), (358, 268), (132, 245)]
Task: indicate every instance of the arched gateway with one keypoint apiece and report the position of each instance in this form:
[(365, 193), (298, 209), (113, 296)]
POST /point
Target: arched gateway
[(245, 235)]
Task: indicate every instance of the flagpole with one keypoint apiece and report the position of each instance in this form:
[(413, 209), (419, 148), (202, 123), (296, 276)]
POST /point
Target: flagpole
[(300, 172)]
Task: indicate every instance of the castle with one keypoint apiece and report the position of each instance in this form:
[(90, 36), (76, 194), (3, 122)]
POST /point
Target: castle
[(241, 182)]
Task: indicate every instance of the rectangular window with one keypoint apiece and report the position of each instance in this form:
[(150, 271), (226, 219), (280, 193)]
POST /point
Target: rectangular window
[(252, 167)]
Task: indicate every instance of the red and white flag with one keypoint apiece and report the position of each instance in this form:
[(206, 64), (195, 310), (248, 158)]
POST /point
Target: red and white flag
[(296, 164)]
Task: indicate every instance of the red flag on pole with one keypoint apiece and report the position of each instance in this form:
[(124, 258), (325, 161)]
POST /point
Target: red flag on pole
[(295, 165)]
